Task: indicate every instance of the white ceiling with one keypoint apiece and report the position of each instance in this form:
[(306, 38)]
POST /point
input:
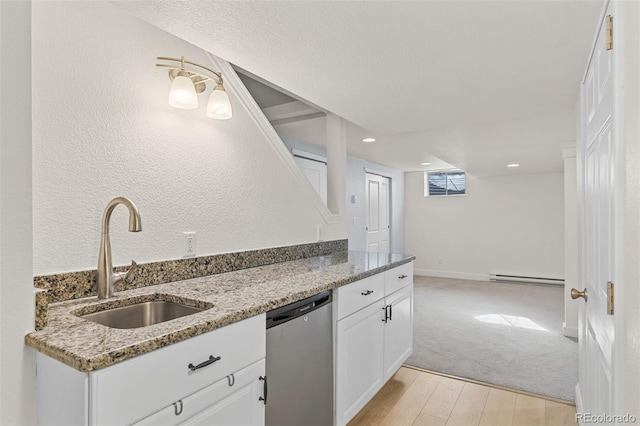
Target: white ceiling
[(478, 84)]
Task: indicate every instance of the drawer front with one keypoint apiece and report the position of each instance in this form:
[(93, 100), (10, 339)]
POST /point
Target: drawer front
[(355, 296), (396, 278), (136, 388), (229, 401)]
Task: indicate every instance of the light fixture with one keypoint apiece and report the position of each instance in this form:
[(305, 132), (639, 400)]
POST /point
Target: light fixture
[(513, 165), (187, 83), (425, 164), (368, 140)]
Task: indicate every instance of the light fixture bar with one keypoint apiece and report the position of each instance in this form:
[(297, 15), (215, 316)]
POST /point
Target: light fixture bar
[(183, 61)]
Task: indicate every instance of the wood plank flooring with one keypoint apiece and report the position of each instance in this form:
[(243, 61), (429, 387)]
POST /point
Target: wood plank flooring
[(414, 397)]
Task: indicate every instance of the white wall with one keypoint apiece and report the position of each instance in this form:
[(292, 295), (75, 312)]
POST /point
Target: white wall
[(627, 314), (508, 224), (17, 365), (102, 128), (356, 185), (571, 253)]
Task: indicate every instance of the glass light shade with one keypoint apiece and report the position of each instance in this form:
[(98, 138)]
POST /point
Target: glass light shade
[(183, 93), (219, 106)]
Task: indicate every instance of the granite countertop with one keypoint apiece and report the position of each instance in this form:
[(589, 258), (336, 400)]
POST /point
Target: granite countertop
[(87, 346)]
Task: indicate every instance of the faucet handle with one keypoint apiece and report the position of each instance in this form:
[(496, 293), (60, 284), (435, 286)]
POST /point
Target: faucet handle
[(120, 276), (133, 267)]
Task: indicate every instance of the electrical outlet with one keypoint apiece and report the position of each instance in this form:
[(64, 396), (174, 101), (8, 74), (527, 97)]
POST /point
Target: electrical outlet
[(189, 244), (440, 261)]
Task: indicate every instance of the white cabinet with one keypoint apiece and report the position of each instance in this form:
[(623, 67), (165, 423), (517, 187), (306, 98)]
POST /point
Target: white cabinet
[(372, 341), (359, 360), (193, 371), (398, 337), (234, 400)]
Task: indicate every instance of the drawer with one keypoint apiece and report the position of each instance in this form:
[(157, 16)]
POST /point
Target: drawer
[(138, 387), (355, 296), (228, 404), (396, 278)]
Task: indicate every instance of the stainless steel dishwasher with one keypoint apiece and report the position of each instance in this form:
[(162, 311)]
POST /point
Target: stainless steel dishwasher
[(300, 363)]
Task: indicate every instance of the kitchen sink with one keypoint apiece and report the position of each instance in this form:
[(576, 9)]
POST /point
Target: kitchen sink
[(141, 314)]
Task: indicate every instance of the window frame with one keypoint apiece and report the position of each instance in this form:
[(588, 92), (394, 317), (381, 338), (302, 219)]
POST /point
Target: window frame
[(426, 188)]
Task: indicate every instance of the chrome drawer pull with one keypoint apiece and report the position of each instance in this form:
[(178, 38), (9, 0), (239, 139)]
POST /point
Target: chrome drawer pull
[(366, 293), (210, 361)]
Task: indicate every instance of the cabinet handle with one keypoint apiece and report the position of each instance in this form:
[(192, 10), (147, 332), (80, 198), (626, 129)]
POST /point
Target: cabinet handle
[(366, 293), (210, 361), (177, 410), (232, 379), (386, 313), (266, 390), (390, 312), (402, 277)]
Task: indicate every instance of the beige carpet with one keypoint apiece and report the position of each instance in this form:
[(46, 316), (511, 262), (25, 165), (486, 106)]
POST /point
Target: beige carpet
[(500, 333)]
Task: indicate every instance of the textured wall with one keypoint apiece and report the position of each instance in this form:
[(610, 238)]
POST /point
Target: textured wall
[(17, 363), (512, 225), (102, 128)]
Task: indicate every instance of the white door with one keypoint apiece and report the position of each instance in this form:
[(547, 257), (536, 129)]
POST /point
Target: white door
[(599, 185), (378, 213), (316, 173)]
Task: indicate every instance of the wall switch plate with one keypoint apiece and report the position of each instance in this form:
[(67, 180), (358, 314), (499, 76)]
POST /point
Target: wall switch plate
[(189, 244)]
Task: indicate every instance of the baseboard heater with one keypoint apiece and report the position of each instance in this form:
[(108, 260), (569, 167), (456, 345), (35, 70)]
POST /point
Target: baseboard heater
[(522, 279)]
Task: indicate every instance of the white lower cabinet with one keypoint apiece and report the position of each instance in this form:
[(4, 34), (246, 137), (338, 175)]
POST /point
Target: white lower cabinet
[(212, 379), (359, 361), (398, 336), (371, 342), (234, 400)]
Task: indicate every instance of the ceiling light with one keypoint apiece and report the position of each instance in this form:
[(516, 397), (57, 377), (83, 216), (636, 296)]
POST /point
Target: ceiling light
[(368, 140), (513, 165), (425, 164), (187, 83)]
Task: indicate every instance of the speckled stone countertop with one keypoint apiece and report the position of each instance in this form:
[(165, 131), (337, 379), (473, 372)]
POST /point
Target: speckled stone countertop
[(86, 346)]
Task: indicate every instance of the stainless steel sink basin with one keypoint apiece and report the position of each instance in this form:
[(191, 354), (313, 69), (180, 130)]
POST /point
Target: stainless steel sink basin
[(141, 314)]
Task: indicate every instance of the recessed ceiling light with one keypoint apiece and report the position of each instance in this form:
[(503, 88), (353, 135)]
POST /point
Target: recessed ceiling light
[(368, 140), (513, 165), (425, 164)]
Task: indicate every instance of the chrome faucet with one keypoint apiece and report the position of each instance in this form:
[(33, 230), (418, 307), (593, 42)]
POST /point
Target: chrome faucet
[(106, 277)]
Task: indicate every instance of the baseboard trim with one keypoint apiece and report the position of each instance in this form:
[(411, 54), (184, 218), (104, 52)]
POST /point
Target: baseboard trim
[(491, 385), (579, 401), (569, 331), (450, 274)]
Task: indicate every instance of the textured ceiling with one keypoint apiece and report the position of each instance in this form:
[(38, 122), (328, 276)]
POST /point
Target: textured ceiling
[(422, 77)]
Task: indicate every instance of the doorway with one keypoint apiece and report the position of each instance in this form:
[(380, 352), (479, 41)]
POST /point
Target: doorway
[(378, 225)]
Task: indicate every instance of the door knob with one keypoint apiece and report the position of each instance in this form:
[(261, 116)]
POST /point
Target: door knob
[(575, 294)]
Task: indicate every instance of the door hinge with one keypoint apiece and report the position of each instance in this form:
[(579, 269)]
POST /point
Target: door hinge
[(609, 31), (609, 298)]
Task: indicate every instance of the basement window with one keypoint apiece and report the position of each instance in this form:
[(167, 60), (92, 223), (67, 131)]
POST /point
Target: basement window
[(444, 183)]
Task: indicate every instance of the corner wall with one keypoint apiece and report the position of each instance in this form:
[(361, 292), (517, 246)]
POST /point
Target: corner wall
[(511, 225), (356, 185), (102, 128), (17, 363)]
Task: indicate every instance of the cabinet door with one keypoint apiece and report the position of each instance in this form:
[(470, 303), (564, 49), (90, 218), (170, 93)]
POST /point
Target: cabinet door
[(398, 331), (220, 403), (359, 360)]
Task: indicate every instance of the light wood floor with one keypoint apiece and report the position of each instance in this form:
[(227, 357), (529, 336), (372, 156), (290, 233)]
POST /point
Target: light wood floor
[(414, 397)]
